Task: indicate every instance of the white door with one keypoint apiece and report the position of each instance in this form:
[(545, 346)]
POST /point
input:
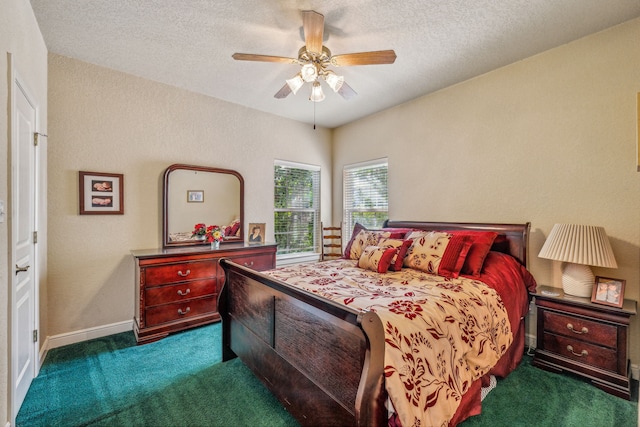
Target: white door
[(23, 260)]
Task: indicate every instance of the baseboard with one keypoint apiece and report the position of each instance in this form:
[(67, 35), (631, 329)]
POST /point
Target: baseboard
[(635, 372), (43, 353), (56, 341)]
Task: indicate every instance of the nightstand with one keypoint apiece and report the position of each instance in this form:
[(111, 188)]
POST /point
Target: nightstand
[(588, 339)]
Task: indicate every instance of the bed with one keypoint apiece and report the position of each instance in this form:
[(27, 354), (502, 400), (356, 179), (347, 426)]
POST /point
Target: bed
[(325, 358)]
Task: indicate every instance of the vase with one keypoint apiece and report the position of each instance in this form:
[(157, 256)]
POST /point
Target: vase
[(215, 244)]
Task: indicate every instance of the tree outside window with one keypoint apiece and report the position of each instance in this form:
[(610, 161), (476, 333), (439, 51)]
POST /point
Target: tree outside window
[(366, 198), (297, 208)]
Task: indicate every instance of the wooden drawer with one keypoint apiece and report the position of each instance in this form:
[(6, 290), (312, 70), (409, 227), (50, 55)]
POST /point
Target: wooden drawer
[(180, 310), (186, 279), (585, 338), (158, 295), (178, 272), (257, 262), (601, 334), (581, 351)]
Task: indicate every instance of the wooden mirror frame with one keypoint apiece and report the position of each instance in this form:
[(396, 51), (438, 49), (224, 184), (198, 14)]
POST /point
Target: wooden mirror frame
[(165, 202)]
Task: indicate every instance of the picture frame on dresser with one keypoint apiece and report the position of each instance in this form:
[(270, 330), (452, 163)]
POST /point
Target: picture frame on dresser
[(256, 233), (608, 291), (100, 193)]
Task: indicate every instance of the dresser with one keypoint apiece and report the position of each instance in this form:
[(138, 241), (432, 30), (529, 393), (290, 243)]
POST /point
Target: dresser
[(588, 339), (178, 288)]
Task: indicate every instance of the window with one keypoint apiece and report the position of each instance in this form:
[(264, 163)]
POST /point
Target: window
[(365, 194), (297, 208)]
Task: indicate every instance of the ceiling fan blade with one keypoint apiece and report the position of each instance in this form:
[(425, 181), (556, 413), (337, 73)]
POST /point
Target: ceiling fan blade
[(364, 58), (313, 24), (347, 91), (283, 92), (263, 58)]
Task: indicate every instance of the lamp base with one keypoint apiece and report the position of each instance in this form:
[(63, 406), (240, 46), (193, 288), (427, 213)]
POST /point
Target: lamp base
[(577, 280)]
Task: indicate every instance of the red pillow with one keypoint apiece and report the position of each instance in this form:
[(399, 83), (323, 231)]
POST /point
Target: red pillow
[(401, 247), (376, 258), (438, 253), (455, 256), (480, 247)]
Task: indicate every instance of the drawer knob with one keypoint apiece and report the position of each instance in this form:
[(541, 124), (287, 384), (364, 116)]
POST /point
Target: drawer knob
[(187, 292), (181, 274), (582, 353), (185, 311), (248, 264), (584, 330)]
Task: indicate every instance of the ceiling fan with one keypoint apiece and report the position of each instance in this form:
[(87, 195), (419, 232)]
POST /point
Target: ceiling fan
[(314, 58)]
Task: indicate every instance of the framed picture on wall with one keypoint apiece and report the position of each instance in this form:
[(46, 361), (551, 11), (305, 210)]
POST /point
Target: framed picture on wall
[(101, 193), (608, 291), (256, 234)]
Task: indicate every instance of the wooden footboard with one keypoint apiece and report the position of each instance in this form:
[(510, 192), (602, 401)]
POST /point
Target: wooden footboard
[(323, 361)]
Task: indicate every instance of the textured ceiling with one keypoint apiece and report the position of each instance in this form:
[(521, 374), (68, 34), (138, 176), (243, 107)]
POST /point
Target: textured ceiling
[(189, 43)]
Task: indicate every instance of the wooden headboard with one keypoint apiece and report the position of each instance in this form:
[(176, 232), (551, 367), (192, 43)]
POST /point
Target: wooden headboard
[(513, 238)]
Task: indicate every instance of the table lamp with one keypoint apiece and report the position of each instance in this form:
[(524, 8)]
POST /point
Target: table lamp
[(578, 246)]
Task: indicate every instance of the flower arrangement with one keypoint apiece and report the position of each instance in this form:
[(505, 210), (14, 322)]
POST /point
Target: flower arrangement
[(211, 233)]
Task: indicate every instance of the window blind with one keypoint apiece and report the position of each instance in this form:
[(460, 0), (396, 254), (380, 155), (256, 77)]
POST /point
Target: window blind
[(365, 194), (297, 208)]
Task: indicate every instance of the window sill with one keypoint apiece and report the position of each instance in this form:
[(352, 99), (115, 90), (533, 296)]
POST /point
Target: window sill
[(283, 260)]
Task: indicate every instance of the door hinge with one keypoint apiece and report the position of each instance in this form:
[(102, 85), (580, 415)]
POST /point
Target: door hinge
[(35, 237), (35, 335)]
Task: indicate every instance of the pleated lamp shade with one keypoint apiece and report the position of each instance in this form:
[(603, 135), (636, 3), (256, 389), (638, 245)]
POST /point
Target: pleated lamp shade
[(579, 246)]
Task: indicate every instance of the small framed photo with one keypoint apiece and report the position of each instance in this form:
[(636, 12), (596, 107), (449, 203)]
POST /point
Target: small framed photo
[(195, 196), (608, 291), (101, 193), (256, 234)]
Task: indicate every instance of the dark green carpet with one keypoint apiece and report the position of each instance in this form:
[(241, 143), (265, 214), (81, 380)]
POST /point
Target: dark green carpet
[(531, 397), (179, 381)]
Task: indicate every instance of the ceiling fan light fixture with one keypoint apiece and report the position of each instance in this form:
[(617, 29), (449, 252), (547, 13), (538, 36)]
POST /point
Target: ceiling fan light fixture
[(309, 72), (314, 58), (334, 81), (317, 94), (295, 83)]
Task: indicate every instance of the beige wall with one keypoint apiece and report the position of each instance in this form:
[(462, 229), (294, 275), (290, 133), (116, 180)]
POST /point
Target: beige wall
[(20, 37), (549, 139), (105, 121)]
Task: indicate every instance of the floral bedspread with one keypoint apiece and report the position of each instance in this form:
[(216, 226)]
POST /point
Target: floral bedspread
[(441, 334)]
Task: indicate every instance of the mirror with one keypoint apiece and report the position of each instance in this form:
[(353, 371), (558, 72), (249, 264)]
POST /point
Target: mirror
[(199, 194)]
